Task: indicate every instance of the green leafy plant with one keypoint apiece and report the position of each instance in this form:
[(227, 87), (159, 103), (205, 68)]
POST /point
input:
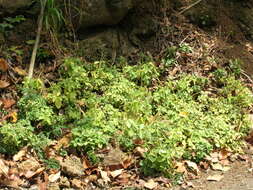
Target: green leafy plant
[(174, 119), (10, 22)]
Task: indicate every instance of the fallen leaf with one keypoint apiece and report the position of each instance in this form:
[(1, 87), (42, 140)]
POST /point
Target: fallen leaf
[(192, 165), (187, 185), (20, 154), (86, 163), (3, 168), (180, 167), (76, 183), (63, 142), (243, 157), (7, 103), (204, 165), (3, 65), (54, 177), (29, 167), (217, 167), (151, 184), (91, 178), (123, 178), (225, 162), (4, 84), (139, 151), (20, 71), (214, 157), (138, 141), (104, 176), (163, 180), (14, 117), (116, 173), (223, 154), (216, 177), (14, 182), (127, 162)]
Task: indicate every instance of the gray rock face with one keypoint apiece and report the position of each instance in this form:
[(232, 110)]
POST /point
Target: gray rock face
[(99, 12), (11, 6)]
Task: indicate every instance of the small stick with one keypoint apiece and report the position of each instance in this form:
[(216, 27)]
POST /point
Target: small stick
[(189, 7), (37, 40)]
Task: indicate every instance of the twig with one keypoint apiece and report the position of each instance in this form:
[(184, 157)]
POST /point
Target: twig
[(189, 7), (37, 41), (247, 76)]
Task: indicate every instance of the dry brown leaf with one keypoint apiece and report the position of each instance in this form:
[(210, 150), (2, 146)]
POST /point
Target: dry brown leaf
[(104, 176), (13, 116), (63, 142), (217, 166), (214, 157), (123, 178), (77, 184), (42, 185), (20, 71), (13, 182), (20, 154), (127, 162), (204, 165), (139, 151), (4, 84), (86, 163), (243, 157), (7, 103), (29, 165), (116, 173), (4, 169), (151, 184), (91, 178), (187, 185), (225, 162), (3, 65), (216, 177), (180, 168), (193, 166), (223, 154), (31, 173), (54, 177)]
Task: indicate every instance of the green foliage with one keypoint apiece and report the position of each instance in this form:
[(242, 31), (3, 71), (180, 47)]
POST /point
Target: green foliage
[(53, 17), (52, 164), (176, 119), (235, 66), (10, 22)]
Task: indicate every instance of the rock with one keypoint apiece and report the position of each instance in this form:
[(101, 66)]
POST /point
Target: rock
[(72, 166), (10, 6), (99, 12), (107, 44)]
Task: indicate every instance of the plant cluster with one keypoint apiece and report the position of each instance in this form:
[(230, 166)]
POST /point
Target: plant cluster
[(9, 23), (178, 118)]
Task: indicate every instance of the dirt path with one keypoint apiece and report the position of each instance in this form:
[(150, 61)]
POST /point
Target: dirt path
[(239, 177)]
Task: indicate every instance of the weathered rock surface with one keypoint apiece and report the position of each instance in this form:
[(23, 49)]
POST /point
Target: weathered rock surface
[(99, 12), (11, 6)]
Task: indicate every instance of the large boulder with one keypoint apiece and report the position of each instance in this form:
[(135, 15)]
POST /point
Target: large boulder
[(89, 13), (10, 6)]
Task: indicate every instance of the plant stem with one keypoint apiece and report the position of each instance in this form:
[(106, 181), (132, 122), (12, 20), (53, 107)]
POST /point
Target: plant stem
[(37, 41)]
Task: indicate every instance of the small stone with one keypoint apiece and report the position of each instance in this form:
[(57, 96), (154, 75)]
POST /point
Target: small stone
[(72, 166)]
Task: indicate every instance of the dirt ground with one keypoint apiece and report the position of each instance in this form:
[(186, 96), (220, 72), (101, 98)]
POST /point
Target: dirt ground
[(238, 177)]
